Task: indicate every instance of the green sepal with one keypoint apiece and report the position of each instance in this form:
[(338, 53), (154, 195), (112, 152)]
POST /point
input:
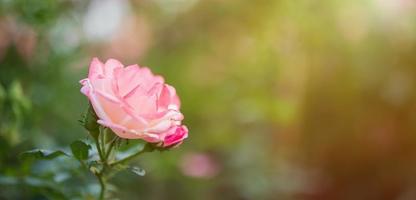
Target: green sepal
[(90, 123)]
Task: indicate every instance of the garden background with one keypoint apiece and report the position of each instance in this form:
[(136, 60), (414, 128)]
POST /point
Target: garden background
[(284, 99)]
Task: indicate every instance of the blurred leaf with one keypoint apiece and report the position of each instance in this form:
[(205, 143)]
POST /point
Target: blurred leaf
[(17, 95), (38, 154), (46, 187), (80, 150), (2, 95), (8, 180), (38, 12)]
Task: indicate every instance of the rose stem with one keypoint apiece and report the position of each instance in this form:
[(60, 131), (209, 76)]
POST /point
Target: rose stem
[(102, 184), (103, 159), (102, 142), (110, 148)]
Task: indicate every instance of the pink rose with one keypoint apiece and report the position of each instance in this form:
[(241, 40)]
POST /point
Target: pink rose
[(134, 103)]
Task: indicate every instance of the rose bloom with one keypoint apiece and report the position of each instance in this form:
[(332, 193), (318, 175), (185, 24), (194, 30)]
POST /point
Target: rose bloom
[(134, 103)]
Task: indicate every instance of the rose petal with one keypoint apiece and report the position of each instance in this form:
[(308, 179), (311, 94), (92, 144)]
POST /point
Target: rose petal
[(96, 68), (178, 134)]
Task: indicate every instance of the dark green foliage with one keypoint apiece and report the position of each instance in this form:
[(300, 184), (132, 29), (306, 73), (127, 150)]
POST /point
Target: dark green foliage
[(38, 12)]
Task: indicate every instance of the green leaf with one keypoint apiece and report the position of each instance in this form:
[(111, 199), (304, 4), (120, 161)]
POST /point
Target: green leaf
[(46, 187), (138, 171), (80, 150), (38, 154)]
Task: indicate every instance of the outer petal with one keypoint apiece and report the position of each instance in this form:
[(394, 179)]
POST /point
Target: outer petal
[(85, 88), (176, 136), (126, 133), (88, 90), (174, 97), (168, 99), (96, 69)]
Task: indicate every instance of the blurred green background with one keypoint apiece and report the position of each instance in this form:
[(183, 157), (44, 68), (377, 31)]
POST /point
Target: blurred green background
[(284, 99)]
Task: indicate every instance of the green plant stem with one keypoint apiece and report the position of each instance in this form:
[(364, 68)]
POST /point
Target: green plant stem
[(101, 142), (103, 160), (110, 148), (100, 153), (147, 148), (102, 185)]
